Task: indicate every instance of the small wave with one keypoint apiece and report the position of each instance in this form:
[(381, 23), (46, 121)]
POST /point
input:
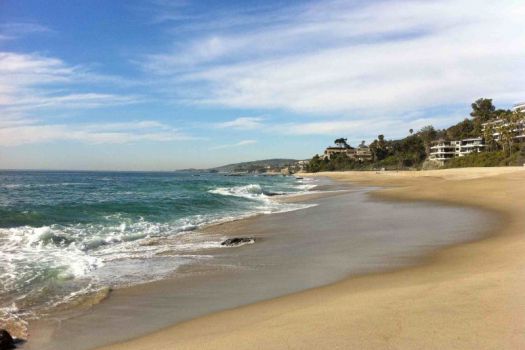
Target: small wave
[(306, 184), (262, 196), (251, 191)]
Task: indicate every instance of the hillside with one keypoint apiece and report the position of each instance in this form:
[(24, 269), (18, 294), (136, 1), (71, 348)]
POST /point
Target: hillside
[(257, 165)]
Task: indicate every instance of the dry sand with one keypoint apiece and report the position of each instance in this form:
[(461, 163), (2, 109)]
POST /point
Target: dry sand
[(469, 296)]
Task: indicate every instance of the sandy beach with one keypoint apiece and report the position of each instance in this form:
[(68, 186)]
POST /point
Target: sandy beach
[(468, 296)]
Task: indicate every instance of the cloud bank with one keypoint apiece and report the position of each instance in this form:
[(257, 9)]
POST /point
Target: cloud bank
[(357, 59)]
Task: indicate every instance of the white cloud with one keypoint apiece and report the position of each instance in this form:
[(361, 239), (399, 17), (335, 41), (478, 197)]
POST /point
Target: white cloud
[(32, 81), (351, 58), (238, 144), (19, 131), (14, 30), (243, 123), (361, 128)]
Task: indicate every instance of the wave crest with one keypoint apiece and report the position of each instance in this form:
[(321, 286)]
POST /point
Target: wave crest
[(251, 191)]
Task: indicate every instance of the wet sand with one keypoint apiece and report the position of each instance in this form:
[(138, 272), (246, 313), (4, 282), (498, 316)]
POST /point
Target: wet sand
[(468, 296)]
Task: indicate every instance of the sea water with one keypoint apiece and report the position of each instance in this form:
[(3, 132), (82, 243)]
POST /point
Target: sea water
[(65, 236)]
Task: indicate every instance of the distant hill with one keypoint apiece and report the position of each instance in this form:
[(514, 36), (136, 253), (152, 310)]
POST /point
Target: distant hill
[(257, 165)]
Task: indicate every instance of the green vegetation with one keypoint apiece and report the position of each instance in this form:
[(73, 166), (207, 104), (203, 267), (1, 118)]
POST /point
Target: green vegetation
[(393, 154), (412, 151), (489, 159)]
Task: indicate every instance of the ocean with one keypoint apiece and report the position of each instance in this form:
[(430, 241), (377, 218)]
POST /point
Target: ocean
[(66, 236)]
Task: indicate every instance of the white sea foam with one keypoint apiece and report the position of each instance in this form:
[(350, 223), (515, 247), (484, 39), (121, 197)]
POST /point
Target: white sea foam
[(251, 191), (265, 204)]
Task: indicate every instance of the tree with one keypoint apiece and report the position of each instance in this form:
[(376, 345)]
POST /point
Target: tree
[(379, 148), (505, 130), (488, 136), (483, 109), (462, 130), (427, 134), (341, 142), (314, 165)]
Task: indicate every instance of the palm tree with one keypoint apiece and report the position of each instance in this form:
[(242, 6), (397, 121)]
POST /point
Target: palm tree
[(506, 132), (488, 135)]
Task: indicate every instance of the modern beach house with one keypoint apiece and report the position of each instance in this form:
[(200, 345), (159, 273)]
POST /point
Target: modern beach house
[(442, 150)]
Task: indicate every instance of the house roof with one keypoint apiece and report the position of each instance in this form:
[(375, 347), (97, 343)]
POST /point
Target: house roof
[(339, 148)]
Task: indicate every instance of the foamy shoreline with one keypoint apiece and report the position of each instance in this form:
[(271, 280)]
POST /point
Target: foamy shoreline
[(466, 296)]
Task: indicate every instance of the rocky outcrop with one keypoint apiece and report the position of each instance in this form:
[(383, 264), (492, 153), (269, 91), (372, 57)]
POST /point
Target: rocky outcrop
[(6, 341), (237, 241)]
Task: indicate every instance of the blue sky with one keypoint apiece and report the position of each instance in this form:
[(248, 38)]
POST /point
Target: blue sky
[(162, 85)]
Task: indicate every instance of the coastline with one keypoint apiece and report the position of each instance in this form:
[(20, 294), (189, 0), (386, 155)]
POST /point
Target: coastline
[(464, 296)]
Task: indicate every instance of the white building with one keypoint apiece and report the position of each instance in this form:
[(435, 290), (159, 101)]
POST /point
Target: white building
[(472, 145), (518, 129), (442, 151), (519, 107)]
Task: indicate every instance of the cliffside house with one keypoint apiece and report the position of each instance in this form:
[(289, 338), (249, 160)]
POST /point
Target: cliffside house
[(361, 153), (331, 150)]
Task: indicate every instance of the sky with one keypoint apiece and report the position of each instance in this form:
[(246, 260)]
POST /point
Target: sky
[(165, 85)]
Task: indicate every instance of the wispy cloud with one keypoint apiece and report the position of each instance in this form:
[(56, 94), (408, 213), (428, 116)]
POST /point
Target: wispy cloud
[(32, 81), (14, 30), (19, 131), (340, 57), (361, 128), (243, 123), (233, 145)]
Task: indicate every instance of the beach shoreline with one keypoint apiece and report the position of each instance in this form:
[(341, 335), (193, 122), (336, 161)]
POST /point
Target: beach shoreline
[(464, 296)]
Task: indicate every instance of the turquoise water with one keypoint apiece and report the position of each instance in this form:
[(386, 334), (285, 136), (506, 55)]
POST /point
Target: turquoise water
[(64, 235)]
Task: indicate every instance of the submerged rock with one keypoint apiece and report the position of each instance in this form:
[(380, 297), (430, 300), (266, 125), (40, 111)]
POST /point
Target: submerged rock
[(232, 242), (6, 341)]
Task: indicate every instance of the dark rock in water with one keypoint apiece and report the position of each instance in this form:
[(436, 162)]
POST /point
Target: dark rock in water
[(271, 194), (232, 242), (6, 341)]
